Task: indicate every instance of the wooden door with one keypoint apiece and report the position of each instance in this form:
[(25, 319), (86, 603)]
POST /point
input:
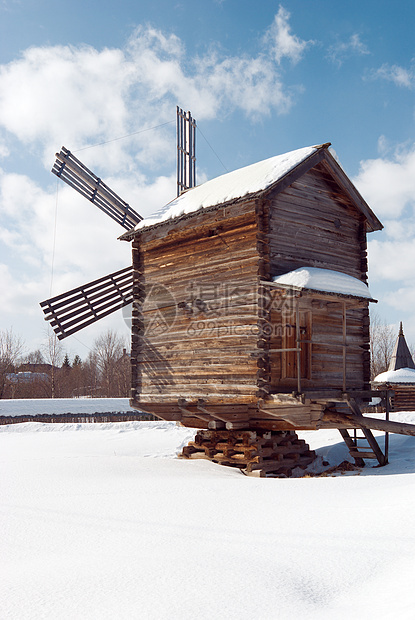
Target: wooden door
[(289, 343)]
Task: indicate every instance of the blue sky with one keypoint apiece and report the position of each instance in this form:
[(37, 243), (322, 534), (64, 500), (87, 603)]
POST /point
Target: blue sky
[(260, 78)]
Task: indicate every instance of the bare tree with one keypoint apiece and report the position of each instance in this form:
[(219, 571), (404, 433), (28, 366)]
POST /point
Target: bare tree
[(53, 352), (90, 375), (33, 357), (108, 352), (11, 348), (382, 341)]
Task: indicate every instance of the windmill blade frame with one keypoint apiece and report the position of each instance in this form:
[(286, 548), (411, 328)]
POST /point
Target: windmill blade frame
[(71, 170), (70, 312)]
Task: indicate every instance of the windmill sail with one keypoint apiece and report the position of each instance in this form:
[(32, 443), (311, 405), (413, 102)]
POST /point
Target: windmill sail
[(82, 306), (79, 177)]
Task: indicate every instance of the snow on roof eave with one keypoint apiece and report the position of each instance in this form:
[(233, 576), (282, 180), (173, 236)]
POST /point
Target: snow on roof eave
[(129, 235), (324, 281), (391, 382), (402, 376), (312, 156), (302, 289), (310, 153)]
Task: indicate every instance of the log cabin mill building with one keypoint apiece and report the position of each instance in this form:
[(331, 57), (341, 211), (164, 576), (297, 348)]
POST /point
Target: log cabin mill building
[(251, 297), (400, 376), (250, 307)]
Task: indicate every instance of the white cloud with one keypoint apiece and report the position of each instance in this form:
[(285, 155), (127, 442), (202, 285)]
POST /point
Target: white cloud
[(283, 43), (77, 96), (220, 86), (403, 297), (341, 51), (82, 230), (392, 260), (63, 93), (383, 145), (17, 293), (400, 76), (209, 83), (388, 185), (80, 95), (4, 151)]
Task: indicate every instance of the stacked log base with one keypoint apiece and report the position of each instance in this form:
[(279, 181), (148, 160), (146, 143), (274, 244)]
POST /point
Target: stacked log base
[(254, 452)]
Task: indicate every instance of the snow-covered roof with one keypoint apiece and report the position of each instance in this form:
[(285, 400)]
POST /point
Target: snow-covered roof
[(231, 186), (325, 280), (402, 375)]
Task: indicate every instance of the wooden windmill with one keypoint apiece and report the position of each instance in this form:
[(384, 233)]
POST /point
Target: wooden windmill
[(250, 306), (74, 310)]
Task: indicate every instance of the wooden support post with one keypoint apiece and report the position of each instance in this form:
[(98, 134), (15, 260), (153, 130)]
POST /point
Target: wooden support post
[(387, 419), (374, 446), (298, 341), (351, 402), (344, 347)]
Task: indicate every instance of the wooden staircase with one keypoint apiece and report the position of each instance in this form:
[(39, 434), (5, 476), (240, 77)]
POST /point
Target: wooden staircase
[(359, 452), (369, 451)]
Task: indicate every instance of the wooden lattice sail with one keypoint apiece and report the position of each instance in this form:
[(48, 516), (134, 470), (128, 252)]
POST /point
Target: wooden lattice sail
[(74, 310), (71, 170)]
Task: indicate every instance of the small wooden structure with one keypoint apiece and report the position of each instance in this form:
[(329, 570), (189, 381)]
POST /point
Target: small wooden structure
[(400, 376)]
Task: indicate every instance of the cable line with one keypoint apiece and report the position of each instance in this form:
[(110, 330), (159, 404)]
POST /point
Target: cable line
[(128, 135), (211, 147)]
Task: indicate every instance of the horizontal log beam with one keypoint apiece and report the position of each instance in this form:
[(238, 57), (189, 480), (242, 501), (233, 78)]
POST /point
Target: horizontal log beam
[(352, 421)]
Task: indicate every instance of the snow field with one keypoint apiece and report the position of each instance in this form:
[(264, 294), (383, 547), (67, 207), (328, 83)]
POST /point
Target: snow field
[(103, 521)]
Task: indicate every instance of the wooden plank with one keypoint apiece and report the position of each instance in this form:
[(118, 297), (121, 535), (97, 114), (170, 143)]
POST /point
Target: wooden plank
[(351, 421), (362, 454)]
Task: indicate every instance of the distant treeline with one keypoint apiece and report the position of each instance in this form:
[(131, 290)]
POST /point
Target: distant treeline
[(48, 372)]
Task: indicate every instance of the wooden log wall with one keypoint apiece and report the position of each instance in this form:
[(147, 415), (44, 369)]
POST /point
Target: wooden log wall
[(206, 337), (404, 397), (197, 332), (313, 223), (322, 351)]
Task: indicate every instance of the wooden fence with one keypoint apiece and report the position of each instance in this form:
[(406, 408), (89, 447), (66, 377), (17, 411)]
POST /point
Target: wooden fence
[(98, 417)]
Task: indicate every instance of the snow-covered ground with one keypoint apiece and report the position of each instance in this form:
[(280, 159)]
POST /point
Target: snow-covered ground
[(102, 521)]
